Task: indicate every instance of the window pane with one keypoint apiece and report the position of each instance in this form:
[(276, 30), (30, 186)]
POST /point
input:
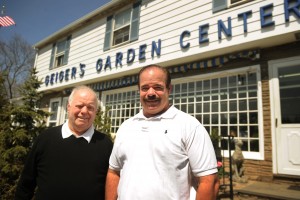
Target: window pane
[(243, 118), (215, 107), (252, 91), (232, 106), (121, 35), (54, 109), (233, 118), (252, 104), (215, 83), (253, 117), (242, 105), (122, 19), (224, 119), (232, 81), (223, 94), (60, 47), (206, 85), (243, 131), (289, 82), (206, 119), (215, 119), (206, 107), (223, 83), (252, 79), (191, 108), (254, 131), (198, 108), (254, 145), (224, 106), (224, 131), (199, 86)]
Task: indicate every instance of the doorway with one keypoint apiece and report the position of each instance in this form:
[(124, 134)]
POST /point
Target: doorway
[(285, 107)]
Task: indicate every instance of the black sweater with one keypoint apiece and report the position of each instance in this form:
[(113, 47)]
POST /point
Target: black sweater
[(67, 169)]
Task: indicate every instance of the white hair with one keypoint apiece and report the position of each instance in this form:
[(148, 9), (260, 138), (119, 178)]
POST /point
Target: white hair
[(84, 87)]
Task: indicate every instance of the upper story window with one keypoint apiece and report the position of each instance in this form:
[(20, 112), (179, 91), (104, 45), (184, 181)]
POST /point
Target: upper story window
[(60, 53), (122, 27), (219, 5)]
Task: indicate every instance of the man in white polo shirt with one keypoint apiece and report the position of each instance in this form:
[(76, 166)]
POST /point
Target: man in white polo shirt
[(161, 152)]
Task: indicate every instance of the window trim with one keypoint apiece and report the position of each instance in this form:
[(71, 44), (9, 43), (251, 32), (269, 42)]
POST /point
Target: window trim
[(133, 27), (58, 114), (54, 55), (255, 69)]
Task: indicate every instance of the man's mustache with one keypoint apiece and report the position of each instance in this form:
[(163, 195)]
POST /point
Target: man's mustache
[(151, 98)]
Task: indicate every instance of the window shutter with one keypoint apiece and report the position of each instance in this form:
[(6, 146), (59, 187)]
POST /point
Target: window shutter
[(52, 56), (219, 5), (108, 31), (134, 29), (67, 49)]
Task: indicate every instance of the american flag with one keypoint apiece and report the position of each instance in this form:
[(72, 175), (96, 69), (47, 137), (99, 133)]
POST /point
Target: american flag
[(6, 21)]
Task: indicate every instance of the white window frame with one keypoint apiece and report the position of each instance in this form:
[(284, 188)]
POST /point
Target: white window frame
[(56, 121), (118, 101), (123, 27), (59, 59), (130, 29), (119, 110), (64, 110)]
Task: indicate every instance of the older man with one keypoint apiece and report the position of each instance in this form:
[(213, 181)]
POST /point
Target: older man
[(70, 161), (160, 152)]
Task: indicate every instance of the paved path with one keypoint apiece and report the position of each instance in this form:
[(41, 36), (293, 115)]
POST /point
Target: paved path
[(255, 190)]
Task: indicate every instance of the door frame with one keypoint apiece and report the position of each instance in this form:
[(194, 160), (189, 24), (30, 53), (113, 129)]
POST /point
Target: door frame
[(273, 86)]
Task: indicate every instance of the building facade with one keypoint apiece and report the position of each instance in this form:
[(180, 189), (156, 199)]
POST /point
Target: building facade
[(235, 66)]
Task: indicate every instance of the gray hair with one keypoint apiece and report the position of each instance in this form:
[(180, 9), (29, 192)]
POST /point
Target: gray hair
[(84, 87)]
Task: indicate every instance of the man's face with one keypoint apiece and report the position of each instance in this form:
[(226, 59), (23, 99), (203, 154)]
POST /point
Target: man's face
[(82, 111), (154, 95)]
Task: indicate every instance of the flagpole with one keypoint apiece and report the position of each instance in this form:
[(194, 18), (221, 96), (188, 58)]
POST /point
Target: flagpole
[(3, 8)]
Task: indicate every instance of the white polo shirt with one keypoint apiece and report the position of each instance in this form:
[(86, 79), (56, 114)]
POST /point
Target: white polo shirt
[(156, 156)]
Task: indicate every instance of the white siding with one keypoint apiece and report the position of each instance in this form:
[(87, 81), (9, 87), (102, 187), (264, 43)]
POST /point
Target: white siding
[(166, 20)]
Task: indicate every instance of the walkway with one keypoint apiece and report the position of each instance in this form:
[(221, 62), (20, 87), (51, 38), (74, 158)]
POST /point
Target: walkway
[(264, 191)]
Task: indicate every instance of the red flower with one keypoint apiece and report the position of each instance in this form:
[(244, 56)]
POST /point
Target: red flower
[(219, 164)]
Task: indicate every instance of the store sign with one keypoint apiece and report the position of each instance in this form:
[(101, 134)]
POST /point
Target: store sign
[(103, 64)]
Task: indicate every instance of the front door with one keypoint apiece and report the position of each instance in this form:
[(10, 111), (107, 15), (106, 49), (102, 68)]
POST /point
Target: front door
[(285, 83)]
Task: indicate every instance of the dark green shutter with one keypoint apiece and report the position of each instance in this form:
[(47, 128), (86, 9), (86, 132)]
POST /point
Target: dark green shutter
[(108, 33), (67, 49), (52, 56), (135, 22)]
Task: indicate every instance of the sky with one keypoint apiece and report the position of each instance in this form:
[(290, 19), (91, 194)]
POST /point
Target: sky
[(37, 19)]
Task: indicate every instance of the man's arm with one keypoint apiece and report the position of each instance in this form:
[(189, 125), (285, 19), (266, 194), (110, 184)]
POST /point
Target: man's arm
[(111, 186), (208, 187)]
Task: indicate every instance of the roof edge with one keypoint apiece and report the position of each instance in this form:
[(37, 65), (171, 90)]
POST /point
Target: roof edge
[(77, 23)]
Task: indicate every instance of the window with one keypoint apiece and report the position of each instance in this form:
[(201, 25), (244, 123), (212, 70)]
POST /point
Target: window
[(64, 112), (123, 105), (60, 53), (58, 110), (54, 109), (224, 104), (122, 27), (219, 5)]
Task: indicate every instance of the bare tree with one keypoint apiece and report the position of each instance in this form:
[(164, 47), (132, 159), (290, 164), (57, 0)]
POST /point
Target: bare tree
[(16, 60)]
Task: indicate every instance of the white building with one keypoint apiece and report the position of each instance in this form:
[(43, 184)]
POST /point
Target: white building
[(235, 66)]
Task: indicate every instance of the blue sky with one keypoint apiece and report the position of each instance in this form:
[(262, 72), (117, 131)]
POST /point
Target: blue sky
[(38, 19)]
